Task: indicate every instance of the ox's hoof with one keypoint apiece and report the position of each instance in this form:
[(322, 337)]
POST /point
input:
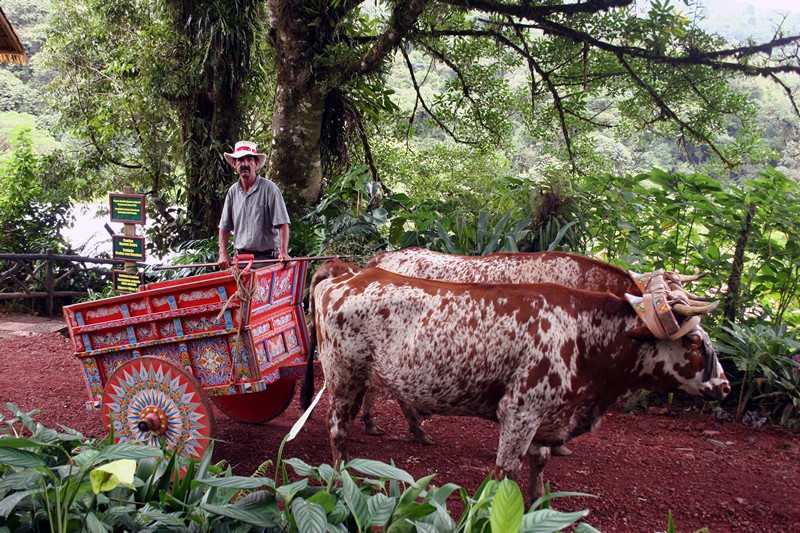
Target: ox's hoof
[(423, 438), (560, 451), (374, 430)]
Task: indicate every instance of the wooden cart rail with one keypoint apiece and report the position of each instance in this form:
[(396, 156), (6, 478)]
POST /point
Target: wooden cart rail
[(50, 276)]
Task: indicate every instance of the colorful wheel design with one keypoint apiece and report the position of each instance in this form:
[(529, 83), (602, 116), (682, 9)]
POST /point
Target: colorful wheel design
[(258, 407), (150, 399)]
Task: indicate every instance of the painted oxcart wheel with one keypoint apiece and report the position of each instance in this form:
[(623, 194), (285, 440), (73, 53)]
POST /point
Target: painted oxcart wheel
[(151, 400), (258, 407)]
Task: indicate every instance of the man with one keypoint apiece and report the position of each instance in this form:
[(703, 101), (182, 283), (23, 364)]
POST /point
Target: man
[(254, 210)]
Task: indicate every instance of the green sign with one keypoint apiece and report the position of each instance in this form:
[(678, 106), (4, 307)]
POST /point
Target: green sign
[(128, 247), (126, 281), (127, 208)]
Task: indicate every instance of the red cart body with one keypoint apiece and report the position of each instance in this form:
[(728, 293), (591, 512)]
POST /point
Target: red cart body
[(235, 332)]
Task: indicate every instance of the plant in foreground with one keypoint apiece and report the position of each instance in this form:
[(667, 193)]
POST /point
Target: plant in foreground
[(52, 481)]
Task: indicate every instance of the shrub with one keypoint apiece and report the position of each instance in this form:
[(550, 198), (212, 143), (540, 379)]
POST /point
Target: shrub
[(768, 366), (64, 481)]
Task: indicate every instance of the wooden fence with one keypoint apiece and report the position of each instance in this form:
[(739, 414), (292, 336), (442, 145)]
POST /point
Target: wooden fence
[(51, 276)]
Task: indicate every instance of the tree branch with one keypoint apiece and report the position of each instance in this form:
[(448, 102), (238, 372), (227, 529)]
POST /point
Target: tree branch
[(404, 17), (666, 110), (524, 10), (557, 101), (695, 57), (465, 88), (788, 91), (421, 100)]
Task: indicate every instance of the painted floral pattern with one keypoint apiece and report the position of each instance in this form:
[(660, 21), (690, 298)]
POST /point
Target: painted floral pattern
[(211, 361), (144, 384)]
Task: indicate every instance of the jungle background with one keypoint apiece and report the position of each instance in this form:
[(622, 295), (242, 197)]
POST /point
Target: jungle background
[(463, 146)]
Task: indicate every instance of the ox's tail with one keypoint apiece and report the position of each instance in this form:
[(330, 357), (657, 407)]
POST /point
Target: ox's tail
[(329, 269)]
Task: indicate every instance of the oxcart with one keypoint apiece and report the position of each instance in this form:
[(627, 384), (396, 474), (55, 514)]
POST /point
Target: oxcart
[(154, 358)]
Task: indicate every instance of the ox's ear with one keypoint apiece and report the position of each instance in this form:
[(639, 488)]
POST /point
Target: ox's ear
[(642, 334)]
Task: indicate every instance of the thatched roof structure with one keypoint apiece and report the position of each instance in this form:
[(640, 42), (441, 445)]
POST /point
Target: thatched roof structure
[(11, 49)]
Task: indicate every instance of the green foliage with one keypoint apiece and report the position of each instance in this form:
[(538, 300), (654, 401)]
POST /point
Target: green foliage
[(198, 251), (16, 96), (110, 91), (34, 203), (691, 223), (358, 218), (457, 237), (767, 363), (65, 482), (349, 219), (106, 292), (47, 478)]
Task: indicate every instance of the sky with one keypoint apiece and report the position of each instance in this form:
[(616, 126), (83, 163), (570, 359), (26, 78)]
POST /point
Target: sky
[(791, 6), (737, 6)]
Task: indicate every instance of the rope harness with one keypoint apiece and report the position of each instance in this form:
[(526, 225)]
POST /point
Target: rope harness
[(244, 294)]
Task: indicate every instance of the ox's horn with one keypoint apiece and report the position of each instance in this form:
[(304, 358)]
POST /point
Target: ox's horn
[(693, 310), (680, 294), (684, 278)]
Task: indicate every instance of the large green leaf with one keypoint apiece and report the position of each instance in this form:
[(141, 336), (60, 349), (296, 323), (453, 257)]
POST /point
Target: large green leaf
[(10, 502), (507, 508), (238, 482), (309, 516), (304, 469), (288, 492), (20, 458), (22, 479), (356, 501), (113, 452), (381, 470), (380, 509), (548, 520)]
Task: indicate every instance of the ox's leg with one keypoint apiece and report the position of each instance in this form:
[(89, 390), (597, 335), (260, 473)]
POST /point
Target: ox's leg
[(415, 424), (367, 409), (345, 403), (517, 429), (537, 458), (560, 451)]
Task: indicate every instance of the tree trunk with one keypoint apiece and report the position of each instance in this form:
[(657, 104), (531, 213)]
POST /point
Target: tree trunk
[(208, 129), (210, 111), (731, 305), (295, 162)]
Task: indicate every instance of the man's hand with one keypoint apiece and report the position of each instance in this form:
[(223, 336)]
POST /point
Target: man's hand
[(285, 257), (224, 261)]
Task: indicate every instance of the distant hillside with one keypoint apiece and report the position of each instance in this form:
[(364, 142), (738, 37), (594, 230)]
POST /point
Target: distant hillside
[(737, 20)]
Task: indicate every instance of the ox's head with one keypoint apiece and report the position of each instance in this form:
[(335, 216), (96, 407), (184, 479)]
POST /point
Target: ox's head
[(688, 363), (697, 368), (684, 357)]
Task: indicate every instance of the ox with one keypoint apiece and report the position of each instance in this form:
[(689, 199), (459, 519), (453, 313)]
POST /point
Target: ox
[(564, 268), (545, 361)]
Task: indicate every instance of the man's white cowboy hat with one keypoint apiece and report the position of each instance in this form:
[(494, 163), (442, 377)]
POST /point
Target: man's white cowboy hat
[(244, 148)]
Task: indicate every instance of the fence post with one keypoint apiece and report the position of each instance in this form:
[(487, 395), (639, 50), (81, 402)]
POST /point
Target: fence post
[(50, 289)]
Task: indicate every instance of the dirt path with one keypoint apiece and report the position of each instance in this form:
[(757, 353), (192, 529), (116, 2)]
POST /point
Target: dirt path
[(720, 475)]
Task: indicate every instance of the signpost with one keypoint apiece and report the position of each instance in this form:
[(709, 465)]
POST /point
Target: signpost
[(128, 208), (131, 248), (127, 282)]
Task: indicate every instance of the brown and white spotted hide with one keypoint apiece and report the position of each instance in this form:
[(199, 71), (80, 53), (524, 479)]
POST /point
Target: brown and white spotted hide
[(563, 268), (544, 361)]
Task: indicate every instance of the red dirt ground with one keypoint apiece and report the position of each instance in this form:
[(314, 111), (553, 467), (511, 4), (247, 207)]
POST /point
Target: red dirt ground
[(721, 475)]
